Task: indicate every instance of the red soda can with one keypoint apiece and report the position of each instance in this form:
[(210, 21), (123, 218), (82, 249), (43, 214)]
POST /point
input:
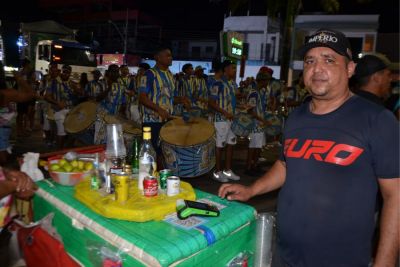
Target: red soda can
[(150, 186)]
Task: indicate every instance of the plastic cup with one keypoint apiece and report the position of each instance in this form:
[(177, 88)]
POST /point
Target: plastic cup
[(115, 141), (265, 230)]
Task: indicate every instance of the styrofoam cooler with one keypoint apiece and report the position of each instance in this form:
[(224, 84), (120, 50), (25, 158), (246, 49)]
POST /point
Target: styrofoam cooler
[(198, 241)]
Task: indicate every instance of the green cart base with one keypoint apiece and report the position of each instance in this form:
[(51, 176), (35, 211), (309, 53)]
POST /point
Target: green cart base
[(208, 242)]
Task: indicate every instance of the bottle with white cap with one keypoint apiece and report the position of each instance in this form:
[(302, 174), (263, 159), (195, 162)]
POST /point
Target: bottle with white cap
[(147, 157)]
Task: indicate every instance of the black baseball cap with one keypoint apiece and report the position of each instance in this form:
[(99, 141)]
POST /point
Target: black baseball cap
[(369, 64), (226, 63), (328, 38)]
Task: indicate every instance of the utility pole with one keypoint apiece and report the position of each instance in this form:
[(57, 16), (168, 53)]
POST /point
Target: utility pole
[(124, 36)]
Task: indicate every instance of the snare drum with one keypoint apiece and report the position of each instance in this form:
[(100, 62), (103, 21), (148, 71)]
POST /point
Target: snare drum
[(80, 121), (275, 124), (242, 124), (188, 147)]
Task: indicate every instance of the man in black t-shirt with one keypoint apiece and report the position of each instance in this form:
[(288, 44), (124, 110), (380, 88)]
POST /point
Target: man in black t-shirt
[(338, 149), (373, 78)]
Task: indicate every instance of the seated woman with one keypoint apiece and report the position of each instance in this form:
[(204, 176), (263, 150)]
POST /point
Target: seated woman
[(12, 183)]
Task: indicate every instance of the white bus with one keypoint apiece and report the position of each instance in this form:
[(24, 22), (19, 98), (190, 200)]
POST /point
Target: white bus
[(70, 52)]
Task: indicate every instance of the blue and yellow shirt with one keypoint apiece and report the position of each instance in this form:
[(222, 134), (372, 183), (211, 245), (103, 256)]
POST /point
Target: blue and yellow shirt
[(223, 91), (184, 86), (159, 86), (129, 84), (62, 92), (199, 89), (257, 100), (115, 99), (94, 88)]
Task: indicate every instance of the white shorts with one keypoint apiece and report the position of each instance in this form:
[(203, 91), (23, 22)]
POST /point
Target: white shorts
[(256, 140), (224, 134), (59, 117), (46, 123)]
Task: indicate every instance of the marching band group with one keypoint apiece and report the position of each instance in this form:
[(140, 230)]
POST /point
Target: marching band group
[(154, 95)]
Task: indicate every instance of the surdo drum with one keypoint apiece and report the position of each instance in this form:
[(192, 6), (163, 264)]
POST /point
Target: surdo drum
[(188, 147)]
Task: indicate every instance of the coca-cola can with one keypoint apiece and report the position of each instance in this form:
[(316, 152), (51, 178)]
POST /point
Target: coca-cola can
[(150, 186), (173, 186)]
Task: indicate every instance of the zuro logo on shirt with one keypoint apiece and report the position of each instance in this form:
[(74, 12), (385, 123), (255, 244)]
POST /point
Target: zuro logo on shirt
[(322, 150)]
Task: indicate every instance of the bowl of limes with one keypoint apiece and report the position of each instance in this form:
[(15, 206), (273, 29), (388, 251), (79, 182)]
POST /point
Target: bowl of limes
[(71, 172)]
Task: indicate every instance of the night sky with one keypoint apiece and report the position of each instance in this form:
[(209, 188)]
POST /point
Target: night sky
[(206, 15)]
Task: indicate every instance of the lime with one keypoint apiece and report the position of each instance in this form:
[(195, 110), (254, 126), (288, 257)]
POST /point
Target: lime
[(81, 164), (67, 167), (74, 163), (88, 166), (54, 167)]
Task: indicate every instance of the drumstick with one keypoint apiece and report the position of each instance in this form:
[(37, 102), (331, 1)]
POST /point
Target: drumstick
[(188, 134)]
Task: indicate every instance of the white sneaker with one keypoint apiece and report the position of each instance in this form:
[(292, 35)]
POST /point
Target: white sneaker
[(231, 175), (220, 177)]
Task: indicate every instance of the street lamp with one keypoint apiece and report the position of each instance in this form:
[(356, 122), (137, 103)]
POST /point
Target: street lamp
[(123, 37)]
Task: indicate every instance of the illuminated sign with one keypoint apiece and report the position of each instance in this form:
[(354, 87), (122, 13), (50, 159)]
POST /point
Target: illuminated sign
[(235, 41), (232, 44), (236, 51)]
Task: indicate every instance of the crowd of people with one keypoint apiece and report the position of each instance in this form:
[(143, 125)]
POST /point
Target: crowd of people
[(151, 97), (154, 95), (338, 147)]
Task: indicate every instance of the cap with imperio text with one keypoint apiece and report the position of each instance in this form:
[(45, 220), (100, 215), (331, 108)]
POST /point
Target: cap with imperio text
[(335, 40)]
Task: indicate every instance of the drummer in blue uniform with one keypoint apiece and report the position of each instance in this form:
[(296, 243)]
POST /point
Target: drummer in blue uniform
[(112, 102), (62, 95), (113, 99), (223, 101), (158, 95), (184, 86), (199, 90), (95, 87), (257, 101), (128, 83)]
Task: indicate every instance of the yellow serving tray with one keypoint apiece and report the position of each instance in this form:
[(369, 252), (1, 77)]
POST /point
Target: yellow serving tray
[(137, 208)]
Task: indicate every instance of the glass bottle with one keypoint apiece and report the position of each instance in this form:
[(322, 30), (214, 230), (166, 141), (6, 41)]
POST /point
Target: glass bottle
[(135, 155), (147, 157)]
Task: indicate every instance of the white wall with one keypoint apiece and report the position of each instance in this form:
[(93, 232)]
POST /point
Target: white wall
[(255, 30), (246, 23), (255, 40), (202, 45)]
